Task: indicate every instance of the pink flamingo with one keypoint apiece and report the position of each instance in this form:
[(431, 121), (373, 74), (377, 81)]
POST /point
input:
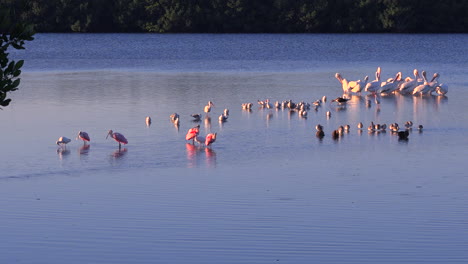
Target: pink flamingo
[(210, 139), (117, 137), (83, 136), (192, 133)]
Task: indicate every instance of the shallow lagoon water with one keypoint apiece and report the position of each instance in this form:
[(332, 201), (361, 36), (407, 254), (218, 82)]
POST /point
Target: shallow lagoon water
[(268, 190)]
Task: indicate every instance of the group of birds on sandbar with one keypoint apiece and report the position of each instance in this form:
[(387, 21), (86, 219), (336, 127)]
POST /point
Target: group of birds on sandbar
[(419, 85)]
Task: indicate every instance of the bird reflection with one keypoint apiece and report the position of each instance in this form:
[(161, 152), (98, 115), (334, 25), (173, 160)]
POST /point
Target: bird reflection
[(194, 156), (119, 153), (210, 155), (84, 150), (207, 122), (62, 153), (192, 151)]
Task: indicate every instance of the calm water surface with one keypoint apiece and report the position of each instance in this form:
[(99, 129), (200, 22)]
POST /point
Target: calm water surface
[(268, 191)]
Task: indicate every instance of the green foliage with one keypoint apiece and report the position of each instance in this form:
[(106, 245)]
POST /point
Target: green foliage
[(11, 35), (247, 16)]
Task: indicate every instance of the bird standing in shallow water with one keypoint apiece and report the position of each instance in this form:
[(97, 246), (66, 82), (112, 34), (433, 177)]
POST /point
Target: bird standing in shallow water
[(335, 134), (63, 141), (344, 83), (222, 118), (148, 121), (340, 100), (174, 117), (373, 86), (320, 134), (196, 117), (207, 108), (403, 135), (192, 133), (117, 137), (83, 136), (210, 139)]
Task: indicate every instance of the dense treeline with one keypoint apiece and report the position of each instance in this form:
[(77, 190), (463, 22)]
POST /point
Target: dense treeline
[(215, 16)]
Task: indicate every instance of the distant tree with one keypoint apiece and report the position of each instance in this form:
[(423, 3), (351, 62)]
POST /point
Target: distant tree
[(13, 35)]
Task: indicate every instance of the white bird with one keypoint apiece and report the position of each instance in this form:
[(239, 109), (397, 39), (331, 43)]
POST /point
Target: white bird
[(441, 89), (207, 108), (148, 121), (173, 117), (222, 118), (267, 104), (344, 82), (373, 86), (390, 86), (409, 84), (358, 86), (433, 83), (62, 141), (247, 106), (422, 88)]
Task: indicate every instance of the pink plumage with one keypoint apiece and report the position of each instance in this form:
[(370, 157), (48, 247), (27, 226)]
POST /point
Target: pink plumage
[(210, 139)]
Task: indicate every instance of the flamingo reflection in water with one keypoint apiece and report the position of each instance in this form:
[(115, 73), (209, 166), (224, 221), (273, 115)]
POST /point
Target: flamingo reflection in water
[(84, 150)]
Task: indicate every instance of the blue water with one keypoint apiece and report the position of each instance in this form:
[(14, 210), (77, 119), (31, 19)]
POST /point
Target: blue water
[(268, 190)]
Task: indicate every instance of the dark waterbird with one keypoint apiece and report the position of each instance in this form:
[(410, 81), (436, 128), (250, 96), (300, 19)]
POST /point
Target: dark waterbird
[(340, 100), (403, 135)]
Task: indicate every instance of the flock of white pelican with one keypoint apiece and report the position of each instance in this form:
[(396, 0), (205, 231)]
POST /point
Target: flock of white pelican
[(415, 86)]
